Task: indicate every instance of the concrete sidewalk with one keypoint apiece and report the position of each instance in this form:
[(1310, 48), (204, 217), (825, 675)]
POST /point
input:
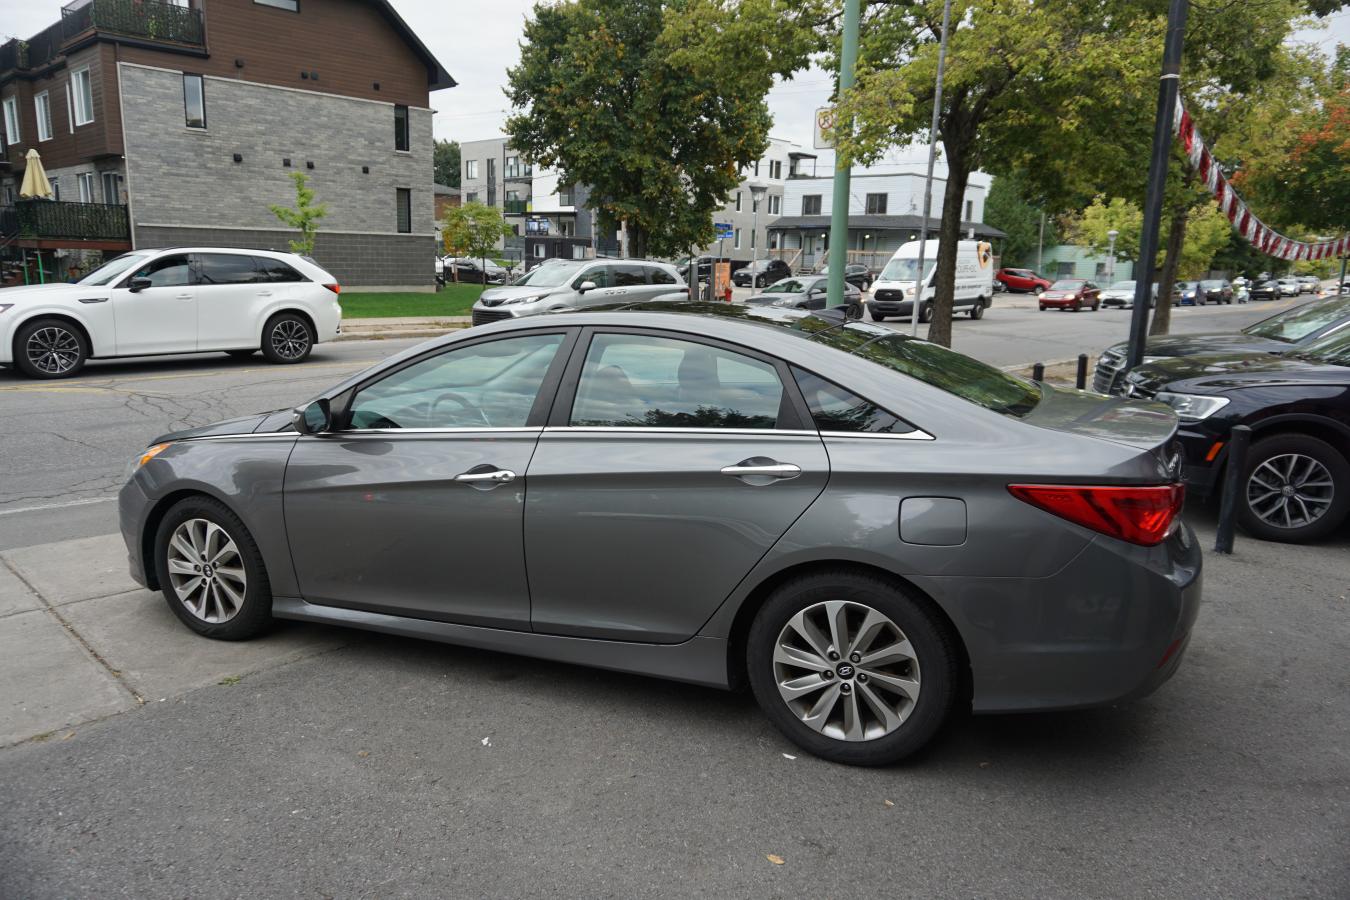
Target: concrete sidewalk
[(405, 327)]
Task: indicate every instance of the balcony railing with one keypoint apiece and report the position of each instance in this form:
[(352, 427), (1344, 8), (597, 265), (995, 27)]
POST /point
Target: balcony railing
[(154, 19), (515, 207), (59, 220)]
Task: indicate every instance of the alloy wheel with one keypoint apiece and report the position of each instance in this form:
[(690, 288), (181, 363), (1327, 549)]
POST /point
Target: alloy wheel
[(53, 350), (290, 339), (206, 571), (846, 671), (1290, 491)]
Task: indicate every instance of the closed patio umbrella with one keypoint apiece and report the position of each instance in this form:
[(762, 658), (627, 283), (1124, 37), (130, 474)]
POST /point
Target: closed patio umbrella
[(35, 183)]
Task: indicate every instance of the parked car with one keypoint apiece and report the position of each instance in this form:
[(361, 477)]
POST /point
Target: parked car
[(1295, 486), (895, 288), (1121, 294), (705, 266), (737, 494), (575, 284), (1023, 281), (1285, 332), (761, 273), (1071, 293), (1289, 287), (1309, 284), (1265, 290), (804, 292), (855, 274), (1214, 290), (180, 300), (474, 271), (1187, 293)]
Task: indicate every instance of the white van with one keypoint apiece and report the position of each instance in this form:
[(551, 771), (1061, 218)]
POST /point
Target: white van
[(893, 290)]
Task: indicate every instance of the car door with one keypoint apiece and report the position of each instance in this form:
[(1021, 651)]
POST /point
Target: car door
[(817, 293), (162, 316), (670, 466), (414, 505), (605, 290), (231, 292)]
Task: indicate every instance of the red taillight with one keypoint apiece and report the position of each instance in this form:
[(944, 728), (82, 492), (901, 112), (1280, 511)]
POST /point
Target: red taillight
[(335, 288), (1140, 515)]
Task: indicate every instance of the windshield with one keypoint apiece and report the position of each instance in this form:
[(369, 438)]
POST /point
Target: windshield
[(1331, 348), (1295, 324), (787, 286), (1066, 285), (110, 270), (906, 269), (1123, 286), (550, 276)]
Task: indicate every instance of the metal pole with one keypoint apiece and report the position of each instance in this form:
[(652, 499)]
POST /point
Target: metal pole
[(916, 301), (1080, 379), (1040, 247), (838, 258), (1341, 288), (1038, 372), (1238, 442), (1157, 176)]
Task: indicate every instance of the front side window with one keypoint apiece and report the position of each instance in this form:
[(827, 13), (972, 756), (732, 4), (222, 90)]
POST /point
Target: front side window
[(811, 205), (403, 203), (42, 103), (12, 120), (644, 381), (876, 204), (82, 94), (402, 141), (167, 271), (194, 101), (227, 268), (835, 409), (110, 270), (489, 385), (1296, 324)]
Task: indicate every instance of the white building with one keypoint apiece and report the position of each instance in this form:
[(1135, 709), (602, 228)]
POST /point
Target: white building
[(781, 163)]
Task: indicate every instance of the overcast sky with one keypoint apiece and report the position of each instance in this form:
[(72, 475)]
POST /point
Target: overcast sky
[(479, 46)]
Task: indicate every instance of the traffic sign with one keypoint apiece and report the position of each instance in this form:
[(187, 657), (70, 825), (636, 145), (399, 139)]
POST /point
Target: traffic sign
[(824, 122), (724, 230)]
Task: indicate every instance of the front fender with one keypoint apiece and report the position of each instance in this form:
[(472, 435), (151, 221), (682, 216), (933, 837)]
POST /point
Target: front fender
[(96, 319)]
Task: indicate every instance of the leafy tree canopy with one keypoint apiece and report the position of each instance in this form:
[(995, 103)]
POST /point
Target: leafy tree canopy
[(445, 163), (1012, 212), (304, 217), (473, 230)]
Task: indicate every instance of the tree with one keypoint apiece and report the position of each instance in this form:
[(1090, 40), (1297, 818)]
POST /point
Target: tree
[(1091, 227), (1206, 232), (657, 106), (305, 217), (1010, 210), (445, 163), (472, 230)]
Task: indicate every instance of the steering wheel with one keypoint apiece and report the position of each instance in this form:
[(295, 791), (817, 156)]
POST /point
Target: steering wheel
[(461, 402)]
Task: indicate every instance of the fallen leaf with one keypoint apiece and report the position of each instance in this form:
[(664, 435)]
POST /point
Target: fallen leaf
[(984, 765), (788, 756), (775, 859), (363, 753), (888, 802), (487, 742), (67, 736)]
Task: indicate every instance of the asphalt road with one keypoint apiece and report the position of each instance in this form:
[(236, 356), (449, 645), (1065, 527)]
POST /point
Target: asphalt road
[(67, 444)]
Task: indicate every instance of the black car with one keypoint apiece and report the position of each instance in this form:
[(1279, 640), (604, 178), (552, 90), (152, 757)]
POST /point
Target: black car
[(1285, 332), (705, 267), (760, 273), (1265, 290), (1295, 486), (475, 271), (1214, 290), (855, 274)]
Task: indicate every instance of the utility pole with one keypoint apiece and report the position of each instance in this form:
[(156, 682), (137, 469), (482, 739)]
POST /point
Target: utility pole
[(1111, 263), (838, 258), (916, 301), (1157, 178), (1040, 247)]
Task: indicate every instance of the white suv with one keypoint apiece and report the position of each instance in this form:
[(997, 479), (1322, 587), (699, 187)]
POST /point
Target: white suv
[(179, 300)]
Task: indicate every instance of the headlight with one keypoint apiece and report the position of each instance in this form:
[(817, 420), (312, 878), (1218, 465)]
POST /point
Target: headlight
[(530, 298), (148, 454), (1192, 407)]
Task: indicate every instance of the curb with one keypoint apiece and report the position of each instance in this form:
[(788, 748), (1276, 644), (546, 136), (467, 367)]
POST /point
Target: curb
[(394, 334)]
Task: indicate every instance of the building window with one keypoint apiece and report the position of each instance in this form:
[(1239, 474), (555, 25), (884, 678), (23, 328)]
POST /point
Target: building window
[(8, 195), (970, 210), (775, 205), (194, 101), (12, 121), (738, 201), (756, 168), (288, 5), (83, 93), (811, 205), (753, 234), (876, 204), (42, 103), (401, 138), (404, 203), (754, 204), (471, 197), (776, 170), (112, 192), (567, 196), (85, 182), (56, 188), (736, 240), (538, 251), (471, 171)]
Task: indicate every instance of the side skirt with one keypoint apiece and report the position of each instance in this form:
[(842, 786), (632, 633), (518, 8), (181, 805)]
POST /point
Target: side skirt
[(699, 660)]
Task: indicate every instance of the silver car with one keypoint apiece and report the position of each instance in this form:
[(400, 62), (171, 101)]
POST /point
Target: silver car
[(870, 530), (576, 284)]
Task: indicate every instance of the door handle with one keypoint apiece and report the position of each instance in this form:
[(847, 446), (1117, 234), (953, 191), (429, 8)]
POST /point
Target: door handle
[(264, 293), (496, 476), (183, 297), (771, 469)]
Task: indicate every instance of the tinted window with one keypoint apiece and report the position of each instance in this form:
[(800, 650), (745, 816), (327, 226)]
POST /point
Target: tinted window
[(227, 268), (491, 385), (661, 276), (1066, 285), (401, 141), (403, 208), (1298, 323), (629, 276), (600, 276), (641, 381), (787, 286), (167, 271), (275, 270), (835, 409)]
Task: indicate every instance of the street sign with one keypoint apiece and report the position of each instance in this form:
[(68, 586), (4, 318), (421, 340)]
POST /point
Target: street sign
[(724, 230), (824, 123)]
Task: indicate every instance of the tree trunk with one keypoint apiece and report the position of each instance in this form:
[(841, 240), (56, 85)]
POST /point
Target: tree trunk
[(1176, 238), (949, 234)]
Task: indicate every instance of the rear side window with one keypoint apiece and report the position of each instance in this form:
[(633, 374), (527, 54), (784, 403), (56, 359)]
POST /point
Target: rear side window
[(661, 276), (835, 409), (226, 268), (275, 270), (629, 276)]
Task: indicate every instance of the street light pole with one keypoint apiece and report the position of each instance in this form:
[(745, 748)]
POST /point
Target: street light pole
[(838, 256), (757, 191), (916, 301), (1111, 263)]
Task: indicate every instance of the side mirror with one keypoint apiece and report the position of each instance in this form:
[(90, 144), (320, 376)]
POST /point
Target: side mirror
[(137, 285), (586, 286), (315, 418)]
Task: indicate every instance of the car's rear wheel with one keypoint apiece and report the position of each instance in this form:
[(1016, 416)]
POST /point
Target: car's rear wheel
[(211, 572), (851, 668), (287, 338), (50, 348), (977, 311), (1296, 489)]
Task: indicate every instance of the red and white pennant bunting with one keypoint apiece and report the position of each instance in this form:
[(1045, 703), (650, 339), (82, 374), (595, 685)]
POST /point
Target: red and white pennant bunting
[(1261, 236)]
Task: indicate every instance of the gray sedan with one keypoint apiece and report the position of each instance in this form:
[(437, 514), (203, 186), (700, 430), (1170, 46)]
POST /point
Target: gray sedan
[(803, 292), (869, 530)]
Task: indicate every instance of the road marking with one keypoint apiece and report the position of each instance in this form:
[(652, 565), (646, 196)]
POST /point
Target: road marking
[(114, 383), (85, 502)]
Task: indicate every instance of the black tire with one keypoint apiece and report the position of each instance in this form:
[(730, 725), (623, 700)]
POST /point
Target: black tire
[(254, 614), (926, 312), (67, 350), (936, 655), (1043, 307), (1077, 306), (1328, 456), (287, 338), (241, 354), (1038, 289), (877, 317), (977, 311)]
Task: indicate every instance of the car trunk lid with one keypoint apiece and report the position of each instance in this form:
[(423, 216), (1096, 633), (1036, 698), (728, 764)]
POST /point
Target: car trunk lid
[(1143, 424)]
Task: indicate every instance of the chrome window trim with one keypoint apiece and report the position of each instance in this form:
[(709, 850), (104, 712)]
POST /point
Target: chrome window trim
[(475, 429), (637, 429), (252, 435), (915, 435)]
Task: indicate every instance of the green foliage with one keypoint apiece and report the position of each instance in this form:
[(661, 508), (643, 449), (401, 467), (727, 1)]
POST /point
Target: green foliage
[(657, 106), (1207, 232), (1009, 210), (445, 163), (473, 230), (451, 300), (305, 217)]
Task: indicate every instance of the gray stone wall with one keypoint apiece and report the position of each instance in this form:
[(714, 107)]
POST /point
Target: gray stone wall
[(184, 184)]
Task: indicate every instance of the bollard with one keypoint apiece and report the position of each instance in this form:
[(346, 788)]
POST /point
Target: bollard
[(1038, 372), (1081, 381), (1238, 442)]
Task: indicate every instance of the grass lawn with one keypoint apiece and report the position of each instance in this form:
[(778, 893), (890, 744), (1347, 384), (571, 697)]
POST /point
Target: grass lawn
[(452, 300)]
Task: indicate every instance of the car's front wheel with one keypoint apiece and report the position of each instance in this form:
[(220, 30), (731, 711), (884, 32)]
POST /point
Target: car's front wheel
[(50, 348), (1296, 489), (287, 338), (211, 571), (876, 316), (851, 668)]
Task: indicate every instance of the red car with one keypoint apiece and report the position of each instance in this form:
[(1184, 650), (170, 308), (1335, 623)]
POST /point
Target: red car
[(1072, 293), (1023, 280)]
